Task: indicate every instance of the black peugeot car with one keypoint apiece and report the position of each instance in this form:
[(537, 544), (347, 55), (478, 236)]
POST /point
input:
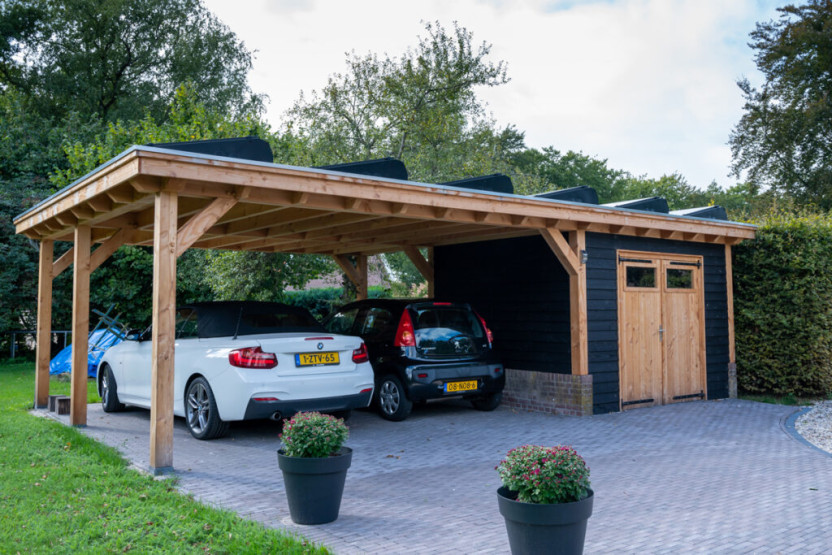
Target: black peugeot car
[(423, 349)]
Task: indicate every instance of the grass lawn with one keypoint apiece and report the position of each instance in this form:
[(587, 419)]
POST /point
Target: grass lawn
[(62, 492)]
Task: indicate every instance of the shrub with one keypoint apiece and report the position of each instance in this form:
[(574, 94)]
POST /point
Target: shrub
[(783, 306), (320, 302), (312, 434), (545, 474)]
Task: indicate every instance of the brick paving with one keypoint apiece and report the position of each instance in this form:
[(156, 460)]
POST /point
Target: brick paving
[(710, 477)]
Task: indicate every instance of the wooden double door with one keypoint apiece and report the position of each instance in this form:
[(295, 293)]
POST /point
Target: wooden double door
[(661, 328)]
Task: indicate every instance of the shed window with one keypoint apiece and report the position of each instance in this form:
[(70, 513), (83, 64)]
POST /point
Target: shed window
[(638, 276), (679, 279)]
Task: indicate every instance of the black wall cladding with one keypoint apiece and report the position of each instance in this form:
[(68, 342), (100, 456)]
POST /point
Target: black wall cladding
[(522, 291)]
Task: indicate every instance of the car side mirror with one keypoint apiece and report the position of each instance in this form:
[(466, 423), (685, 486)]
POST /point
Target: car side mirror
[(133, 335)]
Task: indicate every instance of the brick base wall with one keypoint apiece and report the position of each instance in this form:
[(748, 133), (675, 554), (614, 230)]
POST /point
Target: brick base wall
[(546, 392)]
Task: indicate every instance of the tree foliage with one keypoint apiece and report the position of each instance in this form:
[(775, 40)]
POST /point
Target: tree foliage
[(420, 108), (783, 305), (117, 59), (784, 138)]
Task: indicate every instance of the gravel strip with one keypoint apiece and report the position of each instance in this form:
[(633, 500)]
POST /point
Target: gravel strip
[(816, 426)]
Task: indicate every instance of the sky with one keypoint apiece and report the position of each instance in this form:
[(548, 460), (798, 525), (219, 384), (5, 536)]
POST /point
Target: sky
[(648, 85)]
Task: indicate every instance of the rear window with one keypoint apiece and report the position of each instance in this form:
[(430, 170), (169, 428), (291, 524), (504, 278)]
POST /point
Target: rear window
[(253, 318), (447, 331)]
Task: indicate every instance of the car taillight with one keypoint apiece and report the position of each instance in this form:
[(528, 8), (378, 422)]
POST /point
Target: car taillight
[(252, 357), (405, 336), (488, 333), (360, 354)]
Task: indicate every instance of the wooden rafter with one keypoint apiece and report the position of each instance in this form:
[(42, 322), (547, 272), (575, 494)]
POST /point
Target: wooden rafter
[(559, 245), (201, 222)]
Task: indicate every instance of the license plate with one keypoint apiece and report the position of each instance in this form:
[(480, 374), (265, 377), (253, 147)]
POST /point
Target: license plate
[(316, 359), (453, 387)]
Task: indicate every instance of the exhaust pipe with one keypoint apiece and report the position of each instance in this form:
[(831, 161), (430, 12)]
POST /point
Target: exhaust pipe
[(276, 416)]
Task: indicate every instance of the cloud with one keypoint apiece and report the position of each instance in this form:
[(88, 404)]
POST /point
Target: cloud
[(648, 84)]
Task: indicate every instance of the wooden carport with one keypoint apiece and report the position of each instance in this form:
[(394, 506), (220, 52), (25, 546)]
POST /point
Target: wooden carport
[(175, 201)]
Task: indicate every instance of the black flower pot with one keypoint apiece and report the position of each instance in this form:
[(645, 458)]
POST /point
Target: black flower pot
[(314, 486), (536, 528)]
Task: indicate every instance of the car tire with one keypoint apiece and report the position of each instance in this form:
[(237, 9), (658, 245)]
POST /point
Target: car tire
[(488, 403), (201, 412), (109, 390), (391, 401)]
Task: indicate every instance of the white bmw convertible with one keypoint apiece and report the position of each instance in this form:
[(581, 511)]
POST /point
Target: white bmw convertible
[(243, 361)]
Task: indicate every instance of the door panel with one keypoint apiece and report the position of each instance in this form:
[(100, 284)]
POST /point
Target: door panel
[(683, 345), (661, 328), (640, 345)]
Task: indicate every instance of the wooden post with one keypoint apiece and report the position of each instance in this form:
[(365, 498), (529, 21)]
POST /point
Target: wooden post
[(425, 266), (44, 339), (164, 309), (432, 282), (356, 273), (570, 256), (577, 307), (732, 349), (80, 325), (363, 285)]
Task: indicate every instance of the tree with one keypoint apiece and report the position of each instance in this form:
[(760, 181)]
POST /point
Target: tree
[(573, 169), (784, 138), (420, 108), (125, 279), (117, 59)]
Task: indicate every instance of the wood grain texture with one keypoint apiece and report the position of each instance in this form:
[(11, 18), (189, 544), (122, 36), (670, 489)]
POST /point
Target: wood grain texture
[(44, 336), (577, 306), (729, 287), (164, 314), (80, 325), (201, 222)]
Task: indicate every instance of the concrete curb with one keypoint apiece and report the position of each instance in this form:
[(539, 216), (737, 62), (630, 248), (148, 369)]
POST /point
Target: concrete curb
[(788, 426)]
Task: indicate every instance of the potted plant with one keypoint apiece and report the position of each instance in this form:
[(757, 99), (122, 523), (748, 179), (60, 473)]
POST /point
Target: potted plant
[(545, 499), (314, 463)]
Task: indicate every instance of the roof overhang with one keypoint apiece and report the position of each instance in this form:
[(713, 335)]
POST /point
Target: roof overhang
[(279, 208)]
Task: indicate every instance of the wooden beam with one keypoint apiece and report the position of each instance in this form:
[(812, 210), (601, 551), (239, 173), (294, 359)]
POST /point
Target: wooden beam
[(578, 328), (146, 184), (729, 289), (361, 265), (432, 282), (66, 219), (348, 267), (356, 273), (101, 203), (44, 338), (559, 245), (63, 262), (164, 313), (82, 212), (80, 325), (424, 266), (106, 249), (201, 222)]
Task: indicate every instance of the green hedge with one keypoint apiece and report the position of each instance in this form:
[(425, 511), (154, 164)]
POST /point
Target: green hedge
[(783, 306), (320, 302)]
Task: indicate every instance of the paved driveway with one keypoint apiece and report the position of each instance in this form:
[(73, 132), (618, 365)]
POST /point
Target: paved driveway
[(715, 477)]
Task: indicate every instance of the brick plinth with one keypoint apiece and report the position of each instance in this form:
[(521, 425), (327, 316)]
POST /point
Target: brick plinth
[(546, 392)]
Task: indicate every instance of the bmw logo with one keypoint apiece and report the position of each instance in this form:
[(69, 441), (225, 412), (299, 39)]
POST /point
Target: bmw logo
[(320, 346)]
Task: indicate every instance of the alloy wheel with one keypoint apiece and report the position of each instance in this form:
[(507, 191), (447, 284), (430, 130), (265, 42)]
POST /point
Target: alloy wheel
[(389, 396), (199, 407)]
